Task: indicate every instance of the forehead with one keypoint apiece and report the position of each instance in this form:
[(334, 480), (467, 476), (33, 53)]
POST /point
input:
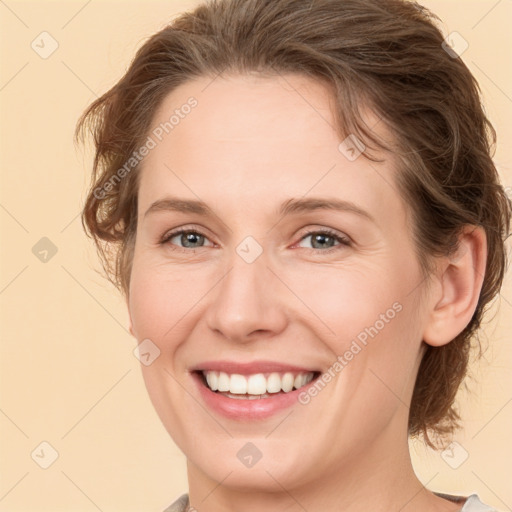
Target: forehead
[(244, 111), (249, 137)]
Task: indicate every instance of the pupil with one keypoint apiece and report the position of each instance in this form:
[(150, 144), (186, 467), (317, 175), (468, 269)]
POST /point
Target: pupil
[(192, 238), (322, 238)]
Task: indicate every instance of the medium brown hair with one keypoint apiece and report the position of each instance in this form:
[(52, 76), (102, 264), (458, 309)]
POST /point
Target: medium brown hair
[(384, 54)]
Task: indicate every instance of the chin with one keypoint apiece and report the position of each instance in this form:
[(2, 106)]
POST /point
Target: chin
[(270, 473)]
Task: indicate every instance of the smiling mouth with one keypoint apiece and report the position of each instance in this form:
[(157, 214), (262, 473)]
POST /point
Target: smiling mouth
[(255, 386)]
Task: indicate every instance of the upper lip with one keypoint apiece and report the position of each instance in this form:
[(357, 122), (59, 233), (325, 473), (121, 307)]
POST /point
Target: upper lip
[(250, 368)]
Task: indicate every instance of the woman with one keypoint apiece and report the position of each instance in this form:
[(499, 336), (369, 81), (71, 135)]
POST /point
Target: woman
[(298, 202)]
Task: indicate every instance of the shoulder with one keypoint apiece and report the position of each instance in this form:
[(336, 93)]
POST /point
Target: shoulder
[(474, 504), (180, 505), (471, 504)]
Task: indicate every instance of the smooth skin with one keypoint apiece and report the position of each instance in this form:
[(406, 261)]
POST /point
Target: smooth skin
[(251, 144)]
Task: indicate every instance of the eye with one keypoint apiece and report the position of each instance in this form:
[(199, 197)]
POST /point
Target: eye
[(190, 239), (325, 240)]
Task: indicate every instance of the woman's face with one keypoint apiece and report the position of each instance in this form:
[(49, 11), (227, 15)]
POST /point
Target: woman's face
[(257, 288)]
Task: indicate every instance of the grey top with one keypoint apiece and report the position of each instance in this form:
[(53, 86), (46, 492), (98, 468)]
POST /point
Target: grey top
[(471, 503)]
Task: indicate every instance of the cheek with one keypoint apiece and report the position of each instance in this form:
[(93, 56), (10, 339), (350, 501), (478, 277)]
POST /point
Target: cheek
[(161, 300), (160, 306), (348, 301), (369, 317)]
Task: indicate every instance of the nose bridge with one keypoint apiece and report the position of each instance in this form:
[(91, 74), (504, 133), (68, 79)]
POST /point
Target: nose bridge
[(245, 300)]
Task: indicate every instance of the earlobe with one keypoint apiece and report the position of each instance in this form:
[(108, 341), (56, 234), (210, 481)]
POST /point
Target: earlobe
[(461, 278), (130, 325)]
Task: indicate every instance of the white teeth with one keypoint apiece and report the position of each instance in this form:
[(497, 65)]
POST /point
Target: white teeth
[(302, 379), (274, 383), (213, 380), (256, 384), (238, 384), (287, 382), (222, 381)]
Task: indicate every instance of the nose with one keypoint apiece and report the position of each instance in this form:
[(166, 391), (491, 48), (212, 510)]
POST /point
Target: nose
[(247, 303)]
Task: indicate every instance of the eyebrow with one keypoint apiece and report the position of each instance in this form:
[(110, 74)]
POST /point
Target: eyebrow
[(289, 207)]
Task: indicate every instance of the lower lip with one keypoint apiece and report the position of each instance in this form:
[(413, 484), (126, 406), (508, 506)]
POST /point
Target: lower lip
[(246, 409)]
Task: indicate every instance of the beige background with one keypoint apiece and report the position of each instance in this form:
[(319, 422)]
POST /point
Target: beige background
[(68, 375)]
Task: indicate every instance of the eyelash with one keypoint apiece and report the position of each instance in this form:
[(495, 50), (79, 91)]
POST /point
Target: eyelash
[(343, 240)]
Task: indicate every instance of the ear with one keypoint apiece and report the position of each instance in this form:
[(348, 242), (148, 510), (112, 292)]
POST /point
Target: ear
[(460, 278), (130, 324)]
